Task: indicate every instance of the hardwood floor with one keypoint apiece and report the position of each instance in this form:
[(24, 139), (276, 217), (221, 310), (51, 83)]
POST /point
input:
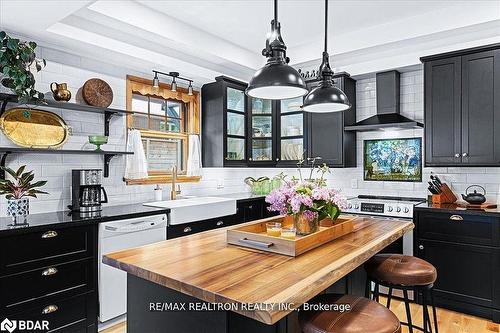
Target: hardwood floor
[(448, 321), (118, 328)]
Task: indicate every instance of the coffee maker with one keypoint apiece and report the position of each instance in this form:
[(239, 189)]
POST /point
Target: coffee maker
[(87, 193)]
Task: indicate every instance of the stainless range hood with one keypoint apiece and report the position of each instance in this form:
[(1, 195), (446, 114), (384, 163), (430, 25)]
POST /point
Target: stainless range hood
[(388, 114)]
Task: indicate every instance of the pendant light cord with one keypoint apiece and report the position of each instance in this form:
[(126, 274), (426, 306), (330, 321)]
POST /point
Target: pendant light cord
[(276, 13), (326, 25)]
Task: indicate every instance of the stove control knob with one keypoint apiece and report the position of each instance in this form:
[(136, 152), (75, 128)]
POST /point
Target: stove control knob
[(350, 206), (398, 209), (390, 208), (356, 206), (406, 210)]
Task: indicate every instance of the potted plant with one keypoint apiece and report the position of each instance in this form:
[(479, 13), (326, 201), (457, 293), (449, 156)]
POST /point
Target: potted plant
[(17, 192), (17, 60), (308, 201)]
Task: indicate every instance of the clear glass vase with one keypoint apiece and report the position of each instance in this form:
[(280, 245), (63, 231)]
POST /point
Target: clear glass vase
[(305, 226)]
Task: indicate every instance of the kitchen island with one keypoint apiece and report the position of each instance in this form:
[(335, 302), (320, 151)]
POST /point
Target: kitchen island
[(260, 289)]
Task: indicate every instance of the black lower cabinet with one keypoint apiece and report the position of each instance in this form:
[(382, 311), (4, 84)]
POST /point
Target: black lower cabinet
[(72, 314), (50, 276), (468, 271), (246, 210)]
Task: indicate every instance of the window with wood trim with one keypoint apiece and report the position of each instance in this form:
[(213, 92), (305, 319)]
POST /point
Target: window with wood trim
[(165, 119)]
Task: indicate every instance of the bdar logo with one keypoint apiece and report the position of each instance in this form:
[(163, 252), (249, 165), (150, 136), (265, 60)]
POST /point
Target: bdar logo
[(8, 325)]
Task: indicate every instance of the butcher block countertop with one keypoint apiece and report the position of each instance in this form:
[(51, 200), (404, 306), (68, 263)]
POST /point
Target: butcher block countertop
[(206, 267)]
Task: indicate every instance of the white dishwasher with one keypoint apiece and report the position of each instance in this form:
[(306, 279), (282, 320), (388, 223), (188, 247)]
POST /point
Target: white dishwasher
[(119, 235)]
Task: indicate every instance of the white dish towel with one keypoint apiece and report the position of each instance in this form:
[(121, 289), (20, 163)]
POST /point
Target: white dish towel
[(194, 157), (136, 165)]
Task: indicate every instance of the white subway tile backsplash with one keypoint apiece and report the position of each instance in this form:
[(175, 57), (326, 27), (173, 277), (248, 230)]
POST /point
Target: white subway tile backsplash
[(483, 178)]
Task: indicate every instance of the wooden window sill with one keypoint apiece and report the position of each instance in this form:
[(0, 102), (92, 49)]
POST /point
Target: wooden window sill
[(162, 179)]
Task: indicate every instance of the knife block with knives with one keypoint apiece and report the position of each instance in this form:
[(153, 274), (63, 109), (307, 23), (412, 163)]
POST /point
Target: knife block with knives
[(441, 192)]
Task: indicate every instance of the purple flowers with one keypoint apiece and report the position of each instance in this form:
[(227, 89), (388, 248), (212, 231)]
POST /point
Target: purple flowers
[(308, 198)]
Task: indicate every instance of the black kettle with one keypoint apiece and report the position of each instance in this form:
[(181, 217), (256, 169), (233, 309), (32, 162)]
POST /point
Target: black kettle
[(474, 198)]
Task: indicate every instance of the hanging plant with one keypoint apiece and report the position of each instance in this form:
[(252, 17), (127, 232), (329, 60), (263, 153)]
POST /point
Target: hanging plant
[(17, 60)]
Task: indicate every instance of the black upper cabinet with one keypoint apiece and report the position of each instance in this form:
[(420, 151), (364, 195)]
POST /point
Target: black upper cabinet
[(224, 119), (462, 108), (481, 108), (326, 137), (442, 111), (242, 131)]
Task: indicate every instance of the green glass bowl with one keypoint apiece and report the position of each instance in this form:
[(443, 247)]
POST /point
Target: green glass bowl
[(98, 140)]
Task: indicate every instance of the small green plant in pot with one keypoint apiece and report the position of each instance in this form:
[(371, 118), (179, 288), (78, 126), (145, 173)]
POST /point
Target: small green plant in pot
[(18, 191), (17, 60)]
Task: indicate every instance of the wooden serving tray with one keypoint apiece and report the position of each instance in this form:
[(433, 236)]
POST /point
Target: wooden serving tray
[(254, 236)]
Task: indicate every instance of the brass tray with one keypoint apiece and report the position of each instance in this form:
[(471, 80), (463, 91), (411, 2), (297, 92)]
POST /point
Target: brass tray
[(34, 128)]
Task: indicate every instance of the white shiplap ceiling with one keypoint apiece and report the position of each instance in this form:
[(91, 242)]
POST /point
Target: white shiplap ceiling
[(203, 38)]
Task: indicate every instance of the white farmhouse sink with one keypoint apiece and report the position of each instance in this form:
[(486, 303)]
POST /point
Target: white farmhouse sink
[(196, 209)]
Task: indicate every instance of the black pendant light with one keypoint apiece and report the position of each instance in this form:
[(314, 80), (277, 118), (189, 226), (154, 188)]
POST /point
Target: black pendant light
[(276, 80), (326, 97)]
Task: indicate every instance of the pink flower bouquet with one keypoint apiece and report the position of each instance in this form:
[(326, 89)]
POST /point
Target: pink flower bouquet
[(309, 201)]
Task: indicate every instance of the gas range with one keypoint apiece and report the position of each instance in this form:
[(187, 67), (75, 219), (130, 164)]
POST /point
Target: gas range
[(400, 207)]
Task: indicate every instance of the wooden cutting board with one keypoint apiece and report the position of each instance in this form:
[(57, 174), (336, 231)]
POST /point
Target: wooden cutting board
[(97, 92), (485, 205)]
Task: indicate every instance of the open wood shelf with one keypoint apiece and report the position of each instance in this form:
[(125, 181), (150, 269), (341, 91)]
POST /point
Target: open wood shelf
[(108, 155)]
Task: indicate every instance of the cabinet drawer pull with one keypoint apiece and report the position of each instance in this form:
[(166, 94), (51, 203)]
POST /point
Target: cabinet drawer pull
[(219, 223), (256, 243), (49, 234), (420, 247), (457, 155), (456, 218), (250, 207), (49, 271), (187, 229), (50, 309)]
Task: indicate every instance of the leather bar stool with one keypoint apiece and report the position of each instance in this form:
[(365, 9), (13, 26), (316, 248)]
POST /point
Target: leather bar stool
[(397, 271), (364, 316)]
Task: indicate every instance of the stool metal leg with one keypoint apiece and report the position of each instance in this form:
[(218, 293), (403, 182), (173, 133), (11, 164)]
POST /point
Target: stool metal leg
[(408, 313), (431, 292), (389, 296), (425, 313), (368, 288), (376, 292)]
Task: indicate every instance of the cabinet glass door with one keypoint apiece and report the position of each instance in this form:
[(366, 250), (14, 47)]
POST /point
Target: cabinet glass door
[(235, 125), (261, 127), (291, 130), (235, 100)]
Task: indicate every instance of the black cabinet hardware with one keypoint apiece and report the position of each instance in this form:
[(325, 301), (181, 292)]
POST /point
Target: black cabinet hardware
[(50, 271), (50, 309), (49, 234)]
